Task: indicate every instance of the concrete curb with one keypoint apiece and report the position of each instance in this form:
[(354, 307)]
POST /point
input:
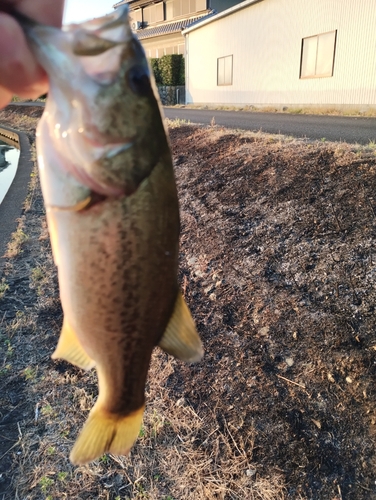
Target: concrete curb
[(12, 206)]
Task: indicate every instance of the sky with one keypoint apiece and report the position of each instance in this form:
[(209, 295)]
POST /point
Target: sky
[(82, 10)]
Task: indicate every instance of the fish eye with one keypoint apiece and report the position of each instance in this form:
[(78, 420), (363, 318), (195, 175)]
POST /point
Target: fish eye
[(139, 81)]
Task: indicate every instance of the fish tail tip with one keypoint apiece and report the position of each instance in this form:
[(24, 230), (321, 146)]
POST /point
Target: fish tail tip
[(104, 432), (197, 356)]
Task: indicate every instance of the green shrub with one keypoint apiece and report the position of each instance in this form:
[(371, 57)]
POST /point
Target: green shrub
[(154, 63), (169, 70), (182, 71)]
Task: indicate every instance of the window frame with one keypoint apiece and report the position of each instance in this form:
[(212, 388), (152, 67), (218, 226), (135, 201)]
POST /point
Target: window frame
[(321, 75), (225, 84)]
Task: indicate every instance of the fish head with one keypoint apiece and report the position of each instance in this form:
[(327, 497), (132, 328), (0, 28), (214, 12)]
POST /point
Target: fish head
[(102, 118)]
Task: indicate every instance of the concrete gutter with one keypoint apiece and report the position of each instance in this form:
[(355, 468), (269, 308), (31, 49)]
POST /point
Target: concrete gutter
[(10, 137), (11, 207)]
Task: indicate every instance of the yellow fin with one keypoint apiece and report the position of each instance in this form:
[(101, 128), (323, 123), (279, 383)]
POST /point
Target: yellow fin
[(181, 338), (106, 432), (70, 349)]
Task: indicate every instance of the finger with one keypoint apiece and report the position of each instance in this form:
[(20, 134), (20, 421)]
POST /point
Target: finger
[(20, 73), (47, 12), (5, 97)]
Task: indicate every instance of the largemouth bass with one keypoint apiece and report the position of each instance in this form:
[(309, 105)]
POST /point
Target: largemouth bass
[(112, 210)]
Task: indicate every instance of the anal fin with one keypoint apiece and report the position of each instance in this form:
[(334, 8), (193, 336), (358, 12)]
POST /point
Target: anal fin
[(70, 349), (181, 338)]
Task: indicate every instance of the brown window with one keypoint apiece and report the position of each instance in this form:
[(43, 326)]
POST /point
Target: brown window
[(317, 58), (136, 15), (224, 70), (200, 5), (177, 8), (159, 11), (169, 10), (153, 13), (185, 7)]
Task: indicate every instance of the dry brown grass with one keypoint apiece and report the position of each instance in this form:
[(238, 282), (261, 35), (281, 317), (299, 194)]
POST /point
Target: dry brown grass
[(282, 404), (294, 110), (180, 454), (19, 238)]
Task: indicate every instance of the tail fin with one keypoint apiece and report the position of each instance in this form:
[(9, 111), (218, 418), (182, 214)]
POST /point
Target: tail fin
[(105, 432)]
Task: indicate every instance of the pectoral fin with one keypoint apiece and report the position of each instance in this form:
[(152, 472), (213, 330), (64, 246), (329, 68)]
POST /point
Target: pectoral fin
[(181, 338), (70, 349)]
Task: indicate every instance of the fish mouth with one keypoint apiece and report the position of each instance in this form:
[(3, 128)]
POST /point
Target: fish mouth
[(112, 150), (93, 149), (83, 176), (108, 149), (88, 181)]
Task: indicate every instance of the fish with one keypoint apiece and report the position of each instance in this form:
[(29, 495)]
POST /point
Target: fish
[(112, 210)]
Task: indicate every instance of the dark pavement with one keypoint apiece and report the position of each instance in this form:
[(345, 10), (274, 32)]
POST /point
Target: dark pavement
[(332, 128)]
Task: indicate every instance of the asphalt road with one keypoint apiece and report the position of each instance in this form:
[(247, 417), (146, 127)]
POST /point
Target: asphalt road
[(332, 128)]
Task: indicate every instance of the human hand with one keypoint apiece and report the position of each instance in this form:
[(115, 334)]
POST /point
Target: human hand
[(20, 72)]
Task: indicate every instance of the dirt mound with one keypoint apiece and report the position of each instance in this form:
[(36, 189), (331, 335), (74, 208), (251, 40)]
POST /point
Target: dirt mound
[(25, 110), (278, 265)]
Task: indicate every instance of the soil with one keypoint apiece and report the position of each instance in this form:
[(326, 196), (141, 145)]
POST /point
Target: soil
[(278, 266)]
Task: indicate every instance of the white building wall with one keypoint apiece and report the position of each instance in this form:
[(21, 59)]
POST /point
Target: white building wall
[(265, 40)]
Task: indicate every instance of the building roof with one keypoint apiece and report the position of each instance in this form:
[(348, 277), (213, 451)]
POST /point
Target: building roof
[(120, 3), (224, 13), (134, 3), (172, 27)]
